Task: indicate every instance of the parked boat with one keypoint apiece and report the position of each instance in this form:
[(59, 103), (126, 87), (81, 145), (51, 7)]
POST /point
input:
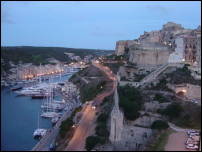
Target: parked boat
[(16, 88), (54, 120), (39, 132), (48, 110)]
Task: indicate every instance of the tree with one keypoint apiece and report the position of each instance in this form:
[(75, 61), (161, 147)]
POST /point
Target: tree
[(173, 110), (91, 141), (130, 101), (102, 117), (160, 98), (101, 130), (159, 125)]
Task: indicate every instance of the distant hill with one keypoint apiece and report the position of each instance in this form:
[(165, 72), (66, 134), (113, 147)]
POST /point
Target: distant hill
[(37, 55)]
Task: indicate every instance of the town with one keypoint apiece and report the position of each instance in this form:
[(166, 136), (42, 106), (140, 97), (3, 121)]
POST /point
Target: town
[(143, 96)]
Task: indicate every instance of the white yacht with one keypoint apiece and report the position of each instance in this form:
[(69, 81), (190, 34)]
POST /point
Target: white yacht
[(49, 114), (39, 132), (48, 109)]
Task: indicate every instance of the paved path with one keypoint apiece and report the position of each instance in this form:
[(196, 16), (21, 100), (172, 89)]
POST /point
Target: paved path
[(82, 78), (178, 129), (44, 143), (87, 123)]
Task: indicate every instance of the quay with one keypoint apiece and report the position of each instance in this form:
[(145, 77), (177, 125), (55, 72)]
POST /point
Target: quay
[(44, 143)]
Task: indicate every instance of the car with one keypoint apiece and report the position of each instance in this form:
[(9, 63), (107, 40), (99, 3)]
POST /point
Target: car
[(194, 134), (191, 141), (52, 147), (191, 146), (191, 131)]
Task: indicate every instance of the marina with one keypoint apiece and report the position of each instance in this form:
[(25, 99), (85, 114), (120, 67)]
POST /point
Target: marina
[(26, 103)]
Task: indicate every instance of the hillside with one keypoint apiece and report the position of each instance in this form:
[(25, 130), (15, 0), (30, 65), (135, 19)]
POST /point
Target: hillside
[(37, 55)]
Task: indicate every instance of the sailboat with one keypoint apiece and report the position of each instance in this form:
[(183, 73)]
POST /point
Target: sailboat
[(39, 132), (49, 111)]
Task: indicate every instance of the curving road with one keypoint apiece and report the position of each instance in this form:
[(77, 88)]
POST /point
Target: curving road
[(178, 129), (87, 123)]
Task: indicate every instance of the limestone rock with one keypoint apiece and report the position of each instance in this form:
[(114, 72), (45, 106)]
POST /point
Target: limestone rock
[(121, 46)]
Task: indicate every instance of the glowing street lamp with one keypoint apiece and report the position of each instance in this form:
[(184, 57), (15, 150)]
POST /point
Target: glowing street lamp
[(184, 91)]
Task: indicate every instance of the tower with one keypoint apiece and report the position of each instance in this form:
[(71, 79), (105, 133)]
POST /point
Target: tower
[(116, 121)]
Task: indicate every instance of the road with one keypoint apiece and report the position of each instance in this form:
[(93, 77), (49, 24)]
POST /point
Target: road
[(44, 143), (87, 123), (50, 137), (178, 129)]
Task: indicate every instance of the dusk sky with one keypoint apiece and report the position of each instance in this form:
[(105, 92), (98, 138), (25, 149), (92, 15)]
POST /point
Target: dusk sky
[(95, 25)]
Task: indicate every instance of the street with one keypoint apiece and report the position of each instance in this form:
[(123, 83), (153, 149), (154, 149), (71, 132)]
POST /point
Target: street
[(87, 123)]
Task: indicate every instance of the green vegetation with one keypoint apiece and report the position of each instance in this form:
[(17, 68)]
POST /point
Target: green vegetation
[(90, 91), (190, 117), (160, 98), (159, 125), (130, 101), (162, 85), (101, 131), (114, 66), (91, 141), (185, 115), (101, 128), (115, 57), (139, 77), (160, 142), (172, 111), (67, 124), (182, 75), (37, 55)]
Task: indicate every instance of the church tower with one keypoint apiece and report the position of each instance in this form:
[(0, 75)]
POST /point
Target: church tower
[(116, 120)]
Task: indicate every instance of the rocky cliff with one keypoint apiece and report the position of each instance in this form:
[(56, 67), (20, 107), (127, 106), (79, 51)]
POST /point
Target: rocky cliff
[(172, 43)]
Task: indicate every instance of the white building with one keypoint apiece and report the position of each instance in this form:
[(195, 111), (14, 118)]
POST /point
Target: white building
[(116, 121), (178, 55)]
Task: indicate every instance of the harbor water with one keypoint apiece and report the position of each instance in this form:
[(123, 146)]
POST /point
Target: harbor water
[(19, 119)]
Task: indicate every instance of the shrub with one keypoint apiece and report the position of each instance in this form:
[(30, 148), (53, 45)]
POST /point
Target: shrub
[(130, 101), (159, 125), (102, 117), (173, 110), (101, 130), (91, 141), (160, 98), (65, 126)]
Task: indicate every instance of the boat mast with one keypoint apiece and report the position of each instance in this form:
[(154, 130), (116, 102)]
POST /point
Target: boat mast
[(60, 73), (40, 73), (38, 120)]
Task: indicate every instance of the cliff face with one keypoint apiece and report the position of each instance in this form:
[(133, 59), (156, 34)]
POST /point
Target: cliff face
[(182, 45), (122, 45), (153, 57)]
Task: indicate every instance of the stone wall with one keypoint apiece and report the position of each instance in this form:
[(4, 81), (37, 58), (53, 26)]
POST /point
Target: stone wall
[(183, 45), (133, 138), (190, 91), (122, 45), (198, 53), (151, 57), (178, 55)]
